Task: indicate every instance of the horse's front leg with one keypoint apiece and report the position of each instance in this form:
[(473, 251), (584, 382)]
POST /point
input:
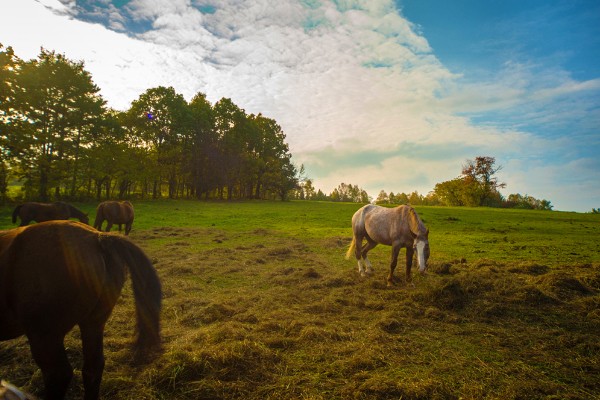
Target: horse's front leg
[(409, 260), (393, 263)]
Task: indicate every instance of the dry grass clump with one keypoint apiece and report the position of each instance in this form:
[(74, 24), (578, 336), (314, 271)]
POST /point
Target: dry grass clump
[(563, 286)]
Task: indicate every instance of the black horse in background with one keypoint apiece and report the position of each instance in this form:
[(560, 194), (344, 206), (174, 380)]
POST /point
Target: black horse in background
[(40, 212)]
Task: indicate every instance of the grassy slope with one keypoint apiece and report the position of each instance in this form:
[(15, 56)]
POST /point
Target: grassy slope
[(260, 303)]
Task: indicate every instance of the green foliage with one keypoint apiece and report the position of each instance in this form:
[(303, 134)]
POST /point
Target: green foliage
[(477, 186), (527, 202), (449, 192), (59, 141), (54, 109), (413, 198), (349, 193)]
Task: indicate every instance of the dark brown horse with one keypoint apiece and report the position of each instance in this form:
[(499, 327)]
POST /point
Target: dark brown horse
[(397, 227), (58, 274), (114, 212), (40, 212)]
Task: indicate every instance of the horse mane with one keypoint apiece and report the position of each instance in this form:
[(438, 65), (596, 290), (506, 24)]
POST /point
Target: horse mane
[(414, 222)]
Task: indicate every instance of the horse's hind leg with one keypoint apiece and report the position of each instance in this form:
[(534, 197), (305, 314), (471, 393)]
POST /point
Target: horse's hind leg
[(358, 252), (108, 226), (49, 353), (357, 241), (93, 358), (365, 249)]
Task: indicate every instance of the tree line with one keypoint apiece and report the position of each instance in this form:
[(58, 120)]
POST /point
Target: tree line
[(476, 186), (60, 140)]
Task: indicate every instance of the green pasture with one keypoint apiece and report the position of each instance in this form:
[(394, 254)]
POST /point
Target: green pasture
[(260, 303), (552, 238)]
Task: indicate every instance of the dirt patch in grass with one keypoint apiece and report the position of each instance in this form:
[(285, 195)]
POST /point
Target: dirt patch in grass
[(256, 315)]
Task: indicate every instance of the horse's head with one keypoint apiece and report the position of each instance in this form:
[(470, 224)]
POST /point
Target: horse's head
[(421, 247)]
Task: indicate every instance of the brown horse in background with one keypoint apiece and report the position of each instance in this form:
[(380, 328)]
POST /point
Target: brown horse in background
[(114, 212), (58, 274), (397, 227), (40, 212)]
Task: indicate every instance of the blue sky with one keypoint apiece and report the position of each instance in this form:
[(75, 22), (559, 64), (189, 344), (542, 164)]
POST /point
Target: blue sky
[(388, 95), (479, 35)]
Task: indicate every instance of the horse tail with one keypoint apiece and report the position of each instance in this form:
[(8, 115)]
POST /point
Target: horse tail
[(358, 225), (16, 212), (352, 248), (146, 290)]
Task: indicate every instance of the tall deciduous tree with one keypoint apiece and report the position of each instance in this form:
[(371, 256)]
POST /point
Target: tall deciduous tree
[(349, 192), (160, 117), (382, 198), (480, 176), (8, 65), (477, 186), (274, 168), (204, 165), (57, 105), (230, 127)]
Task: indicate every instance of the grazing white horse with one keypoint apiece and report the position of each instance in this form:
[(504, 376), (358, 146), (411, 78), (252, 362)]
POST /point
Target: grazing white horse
[(397, 227)]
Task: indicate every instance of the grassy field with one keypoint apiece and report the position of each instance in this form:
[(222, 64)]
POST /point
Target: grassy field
[(259, 303)]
